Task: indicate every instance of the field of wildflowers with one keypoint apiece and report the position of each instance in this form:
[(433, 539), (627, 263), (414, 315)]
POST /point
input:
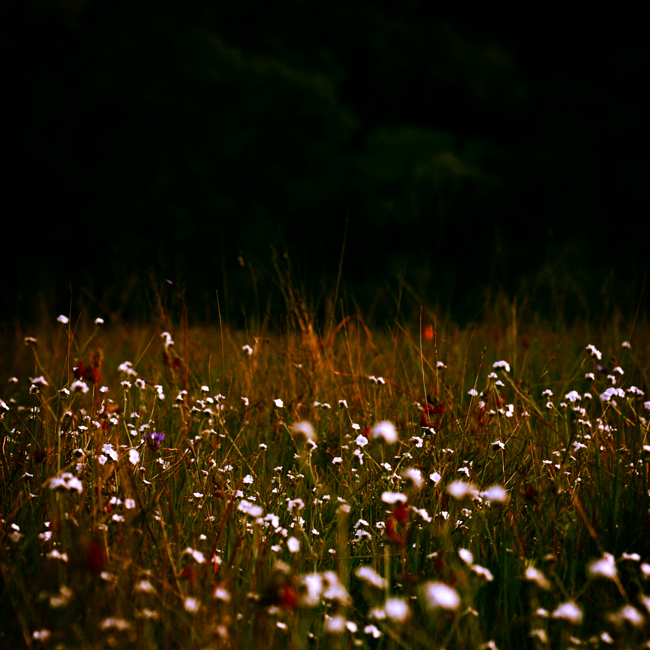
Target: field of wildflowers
[(407, 487)]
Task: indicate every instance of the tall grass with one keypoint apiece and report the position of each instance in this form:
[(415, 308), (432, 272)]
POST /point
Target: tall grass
[(241, 529)]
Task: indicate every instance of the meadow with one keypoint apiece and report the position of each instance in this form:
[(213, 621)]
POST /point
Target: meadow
[(332, 484)]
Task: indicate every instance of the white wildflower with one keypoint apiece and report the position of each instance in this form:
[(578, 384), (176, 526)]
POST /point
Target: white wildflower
[(483, 572), (114, 623), (393, 497), (437, 595), (569, 612), (310, 589), (66, 481), (251, 509), (397, 609), (535, 575), (413, 476), (373, 630), (192, 605), (604, 567), (386, 431), (333, 588), (495, 494), (222, 594), (462, 490), (335, 624), (369, 575), (127, 369), (627, 614), (594, 352), (612, 392), (303, 431), (78, 386), (144, 587)]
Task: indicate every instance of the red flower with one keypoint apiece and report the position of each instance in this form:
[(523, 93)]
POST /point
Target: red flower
[(287, 596), (95, 556), (397, 520), (432, 414), (92, 373)]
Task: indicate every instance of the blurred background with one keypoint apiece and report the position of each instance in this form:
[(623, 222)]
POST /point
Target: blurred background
[(444, 153)]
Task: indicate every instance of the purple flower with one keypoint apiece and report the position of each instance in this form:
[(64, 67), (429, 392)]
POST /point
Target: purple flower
[(154, 440)]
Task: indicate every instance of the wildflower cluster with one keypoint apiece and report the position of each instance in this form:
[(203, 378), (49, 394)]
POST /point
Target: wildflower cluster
[(241, 510)]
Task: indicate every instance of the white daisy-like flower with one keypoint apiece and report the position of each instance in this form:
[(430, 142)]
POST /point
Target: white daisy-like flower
[(144, 587), (413, 476), (197, 555), (612, 392), (594, 352), (78, 386), (65, 481), (495, 494), (627, 614), (250, 509), (370, 576), (55, 555), (303, 431), (437, 595), (462, 490), (393, 497), (535, 575), (222, 594), (397, 609), (114, 623), (127, 369), (483, 572), (311, 589), (386, 431), (333, 588), (373, 630), (192, 605), (335, 624), (569, 612), (605, 567)]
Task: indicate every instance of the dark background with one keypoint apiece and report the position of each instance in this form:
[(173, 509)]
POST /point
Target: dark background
[(459, 150)]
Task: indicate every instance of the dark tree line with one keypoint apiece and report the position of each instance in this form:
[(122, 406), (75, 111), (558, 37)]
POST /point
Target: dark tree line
[(456, 149)]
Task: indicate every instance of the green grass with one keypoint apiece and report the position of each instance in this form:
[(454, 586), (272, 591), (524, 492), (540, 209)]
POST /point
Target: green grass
[(160, 549)]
